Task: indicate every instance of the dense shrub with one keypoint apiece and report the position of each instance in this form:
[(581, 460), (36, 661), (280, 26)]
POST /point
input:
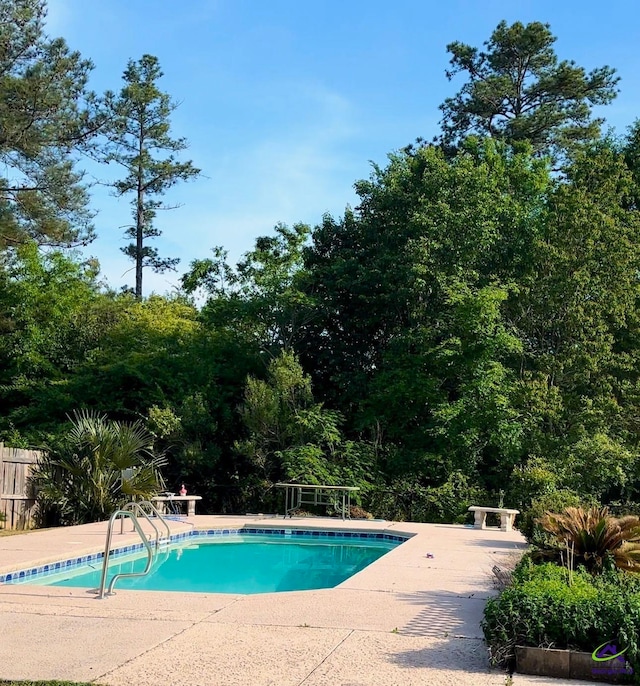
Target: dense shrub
[(556, 501), (595, 539), (407, 501), (98, 466), (543, 609), (357, 512), (530, 481)]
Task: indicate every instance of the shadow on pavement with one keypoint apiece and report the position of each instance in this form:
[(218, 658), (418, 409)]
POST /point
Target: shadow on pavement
[(444, 614)]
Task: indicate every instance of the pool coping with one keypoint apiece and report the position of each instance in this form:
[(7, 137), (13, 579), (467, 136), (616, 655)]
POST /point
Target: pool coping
[(54, 567), (411, 617)]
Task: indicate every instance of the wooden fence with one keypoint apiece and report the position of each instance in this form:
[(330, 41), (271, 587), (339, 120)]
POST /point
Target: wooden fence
[(17, 502)]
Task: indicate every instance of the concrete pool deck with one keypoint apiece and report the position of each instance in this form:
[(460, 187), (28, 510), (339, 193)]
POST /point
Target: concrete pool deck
[(406, 619)]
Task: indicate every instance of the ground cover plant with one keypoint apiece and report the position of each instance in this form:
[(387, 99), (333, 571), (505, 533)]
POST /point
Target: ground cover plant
[(589, 594), (542, 609)]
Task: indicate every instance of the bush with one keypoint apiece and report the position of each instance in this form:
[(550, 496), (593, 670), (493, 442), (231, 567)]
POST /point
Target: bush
[(541, 609), (530, 481), (596, 540), (557, 501), (600, 466), (98, 466), (407, 501), (356, 512), (450, 501)]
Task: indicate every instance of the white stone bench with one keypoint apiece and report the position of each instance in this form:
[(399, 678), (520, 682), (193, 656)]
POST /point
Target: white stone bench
[(507, 517)]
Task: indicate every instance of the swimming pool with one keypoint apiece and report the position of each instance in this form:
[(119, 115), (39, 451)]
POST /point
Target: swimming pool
[(243, 561)]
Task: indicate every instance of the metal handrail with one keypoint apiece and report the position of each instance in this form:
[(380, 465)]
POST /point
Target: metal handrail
[(134, 505), (157, 513), (105, 563), (126, 508)]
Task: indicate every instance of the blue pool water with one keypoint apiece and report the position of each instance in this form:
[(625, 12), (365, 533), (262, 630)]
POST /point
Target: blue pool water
[(236, 564)]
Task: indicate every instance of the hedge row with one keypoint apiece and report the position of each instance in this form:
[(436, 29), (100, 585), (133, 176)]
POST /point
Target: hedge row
[(546, 607)]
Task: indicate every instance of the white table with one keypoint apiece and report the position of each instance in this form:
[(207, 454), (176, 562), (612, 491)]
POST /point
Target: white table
[(162, 501), (338, 497)]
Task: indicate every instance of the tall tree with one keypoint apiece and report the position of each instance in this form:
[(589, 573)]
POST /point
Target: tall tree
[(282, 418), (518, 90), (410, 288), (576, 312), (45, 114), (51, 316), (137, 133), (262, 296), (631, 151)]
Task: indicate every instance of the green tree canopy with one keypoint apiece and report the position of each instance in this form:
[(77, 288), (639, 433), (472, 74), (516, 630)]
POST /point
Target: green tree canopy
[(517, 89), (262, 297), (292, 437), (476, 309), (51, 315), (46, 114)]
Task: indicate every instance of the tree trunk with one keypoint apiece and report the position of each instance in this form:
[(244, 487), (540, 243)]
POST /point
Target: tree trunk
[(139, 216), (139, 235)]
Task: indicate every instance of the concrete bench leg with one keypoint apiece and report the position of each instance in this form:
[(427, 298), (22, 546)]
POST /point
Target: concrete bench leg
[(191, 507), (506, 522), (480, 519)]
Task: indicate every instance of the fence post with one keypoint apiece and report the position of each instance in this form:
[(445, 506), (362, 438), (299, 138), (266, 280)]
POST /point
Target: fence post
[(17, 502), (3, 507)]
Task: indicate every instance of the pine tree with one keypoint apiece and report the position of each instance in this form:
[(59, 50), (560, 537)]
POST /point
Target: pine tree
[(517, 89), (137, 132), (46, 115)]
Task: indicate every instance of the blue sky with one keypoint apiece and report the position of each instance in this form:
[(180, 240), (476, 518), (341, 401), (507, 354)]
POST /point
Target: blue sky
[(285, 103)]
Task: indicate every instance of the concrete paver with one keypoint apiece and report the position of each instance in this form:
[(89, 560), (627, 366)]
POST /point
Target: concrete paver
[(366, 659), (412, 617), (74, 648), (232, 655)]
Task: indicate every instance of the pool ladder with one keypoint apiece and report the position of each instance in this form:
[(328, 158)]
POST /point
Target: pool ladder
[(132, 511)]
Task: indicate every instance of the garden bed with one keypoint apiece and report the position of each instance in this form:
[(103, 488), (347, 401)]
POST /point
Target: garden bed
[(547, 620)]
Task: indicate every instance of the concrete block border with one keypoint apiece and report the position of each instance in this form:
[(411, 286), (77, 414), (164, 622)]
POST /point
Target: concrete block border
[(570, 664)]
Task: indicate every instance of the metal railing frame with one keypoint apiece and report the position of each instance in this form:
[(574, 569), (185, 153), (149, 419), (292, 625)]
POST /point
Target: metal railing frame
[(103, 592)]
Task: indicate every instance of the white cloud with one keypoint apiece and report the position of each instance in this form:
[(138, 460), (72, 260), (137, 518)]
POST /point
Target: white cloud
[(59, 16)]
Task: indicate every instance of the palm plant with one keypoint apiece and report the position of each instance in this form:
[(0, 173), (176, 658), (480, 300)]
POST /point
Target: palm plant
[(597, 539), (100, 465)]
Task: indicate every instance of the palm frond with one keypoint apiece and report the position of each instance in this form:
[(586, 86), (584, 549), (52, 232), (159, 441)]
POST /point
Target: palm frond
[(597, 537), (84, 480)]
